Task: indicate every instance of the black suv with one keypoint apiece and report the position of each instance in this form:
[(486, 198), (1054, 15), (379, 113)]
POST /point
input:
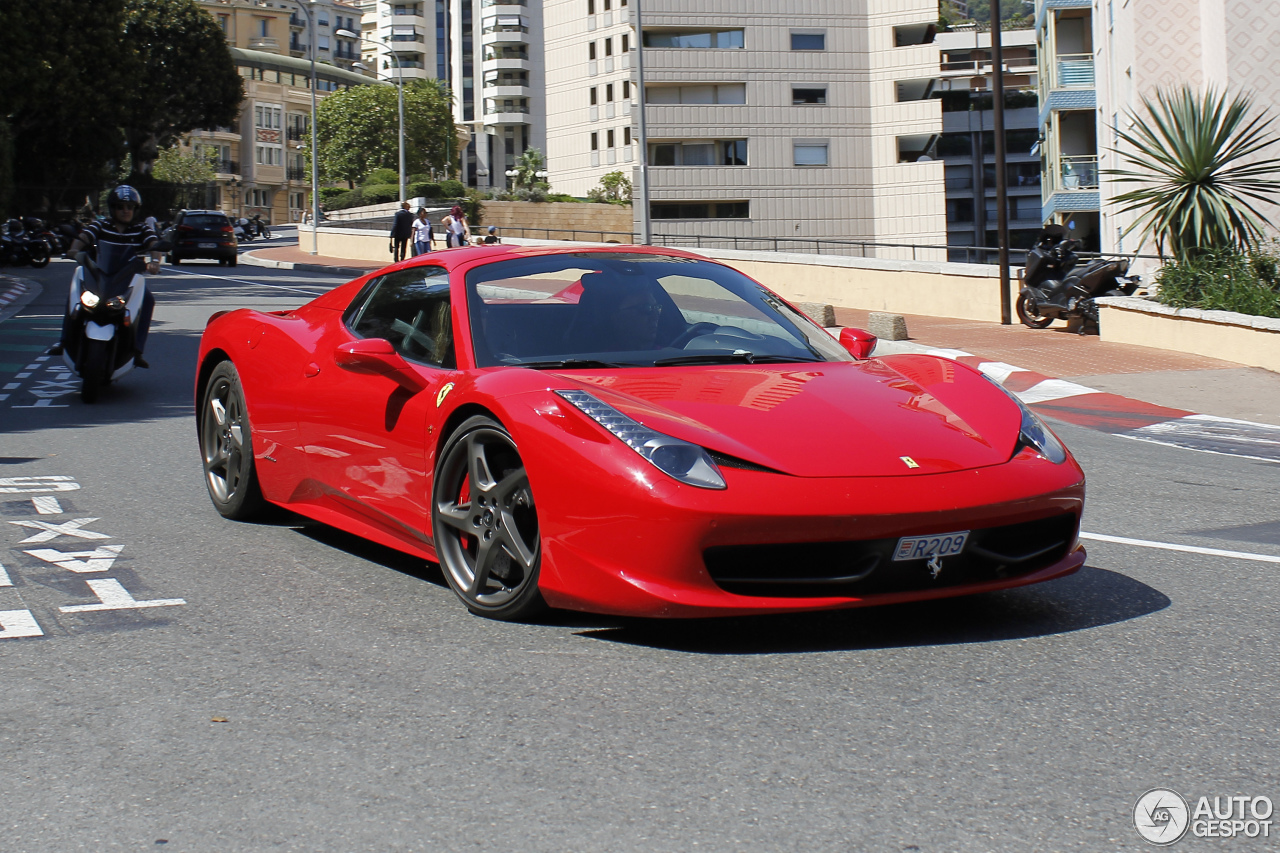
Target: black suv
[(201, 234)]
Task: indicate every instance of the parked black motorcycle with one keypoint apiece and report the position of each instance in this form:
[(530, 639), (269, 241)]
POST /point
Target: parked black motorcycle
[(19, 247), (105, 303), (1058, 285)]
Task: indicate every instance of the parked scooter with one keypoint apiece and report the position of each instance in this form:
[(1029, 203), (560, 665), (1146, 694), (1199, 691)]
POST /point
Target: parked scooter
[(1058, 285), (18, 246), (106, 300)]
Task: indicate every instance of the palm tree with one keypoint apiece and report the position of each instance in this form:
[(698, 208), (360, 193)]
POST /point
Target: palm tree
[(1197, 179)]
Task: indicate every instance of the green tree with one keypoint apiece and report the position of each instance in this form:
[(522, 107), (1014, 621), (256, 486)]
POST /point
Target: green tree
[(1195, 159), (187, 172), (59, 103), (614, 187), (527, 167), (182, 73), (358, 130)]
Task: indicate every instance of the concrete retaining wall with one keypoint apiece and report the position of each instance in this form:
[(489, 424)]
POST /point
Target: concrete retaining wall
[(1241, 338)]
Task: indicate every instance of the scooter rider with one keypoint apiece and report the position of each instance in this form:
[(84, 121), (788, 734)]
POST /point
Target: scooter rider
[(120, 238)]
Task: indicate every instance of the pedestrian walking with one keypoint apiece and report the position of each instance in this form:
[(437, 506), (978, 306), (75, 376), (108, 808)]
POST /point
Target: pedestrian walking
[(422, 233), (401, 231), (457, 232)]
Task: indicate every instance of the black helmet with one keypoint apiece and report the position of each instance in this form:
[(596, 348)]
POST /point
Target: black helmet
[(121, 195)]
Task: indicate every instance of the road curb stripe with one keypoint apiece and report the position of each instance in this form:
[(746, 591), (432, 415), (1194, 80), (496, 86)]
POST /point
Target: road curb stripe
[(1188, 549)]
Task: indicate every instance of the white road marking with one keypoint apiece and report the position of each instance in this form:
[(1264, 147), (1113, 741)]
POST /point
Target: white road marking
[(113, 596), (47, 505), (322, 289), (4, 577), (12, 385), (100, 559), (1053, 389), (1188, 549), (998, 370), (32, 485), (18, 623), (49, 530)]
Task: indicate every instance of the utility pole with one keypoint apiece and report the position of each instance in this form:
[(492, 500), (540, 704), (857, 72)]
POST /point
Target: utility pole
[(646, 237), (1002, 179)]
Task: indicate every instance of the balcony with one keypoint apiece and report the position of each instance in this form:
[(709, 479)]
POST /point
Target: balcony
[(297, 134), (264, 43), (295, 174), (1073, 71), (226, 167), (1078, 172)]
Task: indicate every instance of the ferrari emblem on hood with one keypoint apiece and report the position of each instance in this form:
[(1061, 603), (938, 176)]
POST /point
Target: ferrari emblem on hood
[(909, 462), (935, 566), (444, 392)]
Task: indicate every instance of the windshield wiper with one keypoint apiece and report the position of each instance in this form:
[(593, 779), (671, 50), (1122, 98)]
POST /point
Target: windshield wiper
[(567, 362), (737, 356)]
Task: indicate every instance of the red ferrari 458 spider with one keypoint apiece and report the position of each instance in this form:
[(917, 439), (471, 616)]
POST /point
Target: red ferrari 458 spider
[(630, 430)]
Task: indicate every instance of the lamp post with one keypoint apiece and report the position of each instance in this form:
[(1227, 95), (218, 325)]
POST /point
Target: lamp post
[(400, 77), (645, 226), (315, 165)]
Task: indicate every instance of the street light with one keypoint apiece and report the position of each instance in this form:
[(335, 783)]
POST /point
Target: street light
[(315, 165), (348, 34)]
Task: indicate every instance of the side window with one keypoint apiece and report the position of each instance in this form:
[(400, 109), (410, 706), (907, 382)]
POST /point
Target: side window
[(411, 309)]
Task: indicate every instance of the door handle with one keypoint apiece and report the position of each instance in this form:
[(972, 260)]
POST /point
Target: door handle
[(311, 369)]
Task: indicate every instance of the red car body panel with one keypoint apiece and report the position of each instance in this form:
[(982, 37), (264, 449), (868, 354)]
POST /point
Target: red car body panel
[(822, 448)]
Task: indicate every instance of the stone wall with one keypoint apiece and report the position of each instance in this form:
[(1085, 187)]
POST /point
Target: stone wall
[(604, 223)]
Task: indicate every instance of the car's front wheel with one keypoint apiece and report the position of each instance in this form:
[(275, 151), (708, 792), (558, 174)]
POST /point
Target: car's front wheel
[(226, 445), (484, 522)]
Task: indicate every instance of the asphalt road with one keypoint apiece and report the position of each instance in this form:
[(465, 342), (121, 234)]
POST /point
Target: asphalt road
[(291, 688)]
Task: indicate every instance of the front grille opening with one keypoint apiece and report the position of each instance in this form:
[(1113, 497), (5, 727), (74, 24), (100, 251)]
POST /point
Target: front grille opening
[(842, 569)]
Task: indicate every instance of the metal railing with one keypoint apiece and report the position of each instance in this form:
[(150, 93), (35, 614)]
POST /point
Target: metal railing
[(295, 174), (226, 167), (1074, 71), (1078, 172)]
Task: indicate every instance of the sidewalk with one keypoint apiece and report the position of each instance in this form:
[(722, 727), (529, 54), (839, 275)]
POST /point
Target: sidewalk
[(1093, 383)]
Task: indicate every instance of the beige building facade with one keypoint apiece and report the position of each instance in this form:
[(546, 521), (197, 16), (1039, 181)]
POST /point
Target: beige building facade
[(260, 160), (1100, 59), (765, 122)]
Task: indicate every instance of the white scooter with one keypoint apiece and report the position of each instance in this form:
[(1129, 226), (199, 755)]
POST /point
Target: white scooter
[(101, 337)]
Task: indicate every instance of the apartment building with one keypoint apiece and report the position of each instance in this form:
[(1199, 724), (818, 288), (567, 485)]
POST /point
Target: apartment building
[(967, 146), (261, 158), (1098, 59), (489, 52), (764, 121)]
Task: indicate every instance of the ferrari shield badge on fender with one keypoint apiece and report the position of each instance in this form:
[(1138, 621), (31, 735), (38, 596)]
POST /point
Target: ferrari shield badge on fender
[(909, 462), (444, 392)]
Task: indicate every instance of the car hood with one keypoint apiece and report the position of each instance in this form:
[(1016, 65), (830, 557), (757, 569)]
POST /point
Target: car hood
[(893, 416)]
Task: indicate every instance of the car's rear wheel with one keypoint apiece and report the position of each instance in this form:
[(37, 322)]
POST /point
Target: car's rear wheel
[(484, 522), (226, 445)]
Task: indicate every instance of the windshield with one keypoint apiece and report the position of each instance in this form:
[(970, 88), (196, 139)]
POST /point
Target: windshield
[(632, 310)]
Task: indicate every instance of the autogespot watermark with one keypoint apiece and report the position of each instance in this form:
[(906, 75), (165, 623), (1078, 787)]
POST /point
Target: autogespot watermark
[(1162, 816)]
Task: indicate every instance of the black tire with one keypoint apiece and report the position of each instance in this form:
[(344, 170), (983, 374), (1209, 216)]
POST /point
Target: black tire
[(93, 370), (174, 260), (484, 523), (231, 262), (39, 255), (226, 446), (1034, 321)]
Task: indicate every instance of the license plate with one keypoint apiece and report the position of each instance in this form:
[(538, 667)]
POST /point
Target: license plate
[(923, 547), (208, 245)]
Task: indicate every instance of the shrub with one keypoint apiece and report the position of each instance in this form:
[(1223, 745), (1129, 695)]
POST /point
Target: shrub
[(424, 189), (381, 176), (473, 208), (452, 189), (1222, 280), (563, 197), (381, 193), (349, 198), (328, 194)]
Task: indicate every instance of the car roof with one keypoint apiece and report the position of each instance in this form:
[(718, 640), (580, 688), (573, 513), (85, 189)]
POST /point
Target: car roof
[(468, 256)]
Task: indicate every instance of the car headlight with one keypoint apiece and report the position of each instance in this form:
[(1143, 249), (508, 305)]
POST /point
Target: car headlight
[(88, 299), (680, 459), (1033, 432)]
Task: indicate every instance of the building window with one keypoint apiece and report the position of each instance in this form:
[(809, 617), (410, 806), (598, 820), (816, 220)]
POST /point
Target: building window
[(808, 41), (720, 93), (626, 42), (693, 38), (808, 96), (626, 136), (609, 139), (263, 23), (700, 210), (591, 7), (606, 5), (608, 47), (591, 51), (222, 22), (595, 142), (732, 152), (626, 90), (592, 90), (810, 154), (608, 92)]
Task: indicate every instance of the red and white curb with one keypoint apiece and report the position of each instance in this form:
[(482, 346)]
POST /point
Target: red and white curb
[(11, 293), (1122, 416)]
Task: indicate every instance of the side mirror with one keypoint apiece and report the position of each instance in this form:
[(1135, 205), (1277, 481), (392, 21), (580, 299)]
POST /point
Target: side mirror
[(377, 357), (859, 342)]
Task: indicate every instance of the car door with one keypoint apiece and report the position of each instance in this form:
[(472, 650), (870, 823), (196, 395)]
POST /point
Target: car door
[(364, 433)]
